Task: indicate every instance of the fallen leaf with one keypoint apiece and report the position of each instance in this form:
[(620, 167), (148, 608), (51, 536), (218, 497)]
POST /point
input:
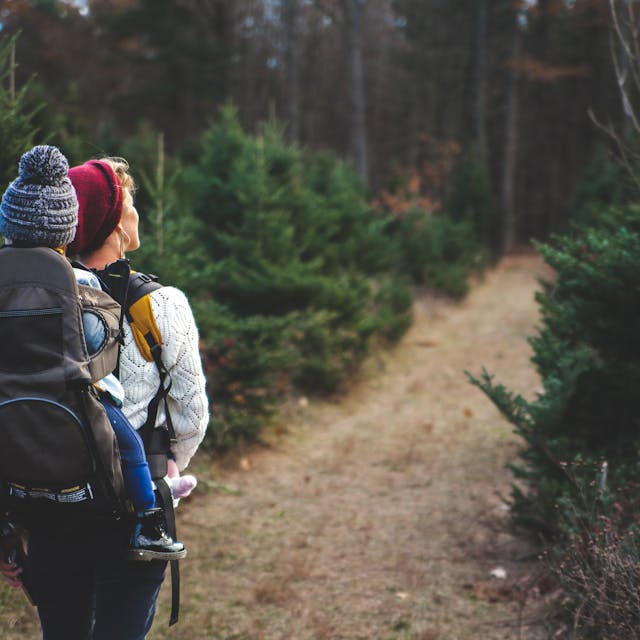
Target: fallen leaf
[(492, 591), (427, 342)]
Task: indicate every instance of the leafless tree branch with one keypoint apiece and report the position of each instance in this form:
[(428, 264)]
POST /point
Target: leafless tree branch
[(626, 156), (625, 56)]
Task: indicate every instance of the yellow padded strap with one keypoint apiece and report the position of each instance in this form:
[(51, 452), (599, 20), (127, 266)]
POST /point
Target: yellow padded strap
[(143, 322)]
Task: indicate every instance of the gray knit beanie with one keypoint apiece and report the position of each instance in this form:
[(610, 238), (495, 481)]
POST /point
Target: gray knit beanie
[(40, 206)]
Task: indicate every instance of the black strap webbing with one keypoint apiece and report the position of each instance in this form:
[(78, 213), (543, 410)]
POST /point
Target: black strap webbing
[(169, 514), (161, 394)]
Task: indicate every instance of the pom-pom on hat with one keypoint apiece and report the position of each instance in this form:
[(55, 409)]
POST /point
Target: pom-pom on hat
[(100, 198), (40, 207)]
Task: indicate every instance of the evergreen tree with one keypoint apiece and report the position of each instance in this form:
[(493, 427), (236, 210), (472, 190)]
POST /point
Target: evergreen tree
[(470, 199), (587, 353), (298, 281), (16, 115), (604, 185)]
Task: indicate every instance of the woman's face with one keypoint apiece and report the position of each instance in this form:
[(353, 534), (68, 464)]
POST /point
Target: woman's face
[(129, 223)]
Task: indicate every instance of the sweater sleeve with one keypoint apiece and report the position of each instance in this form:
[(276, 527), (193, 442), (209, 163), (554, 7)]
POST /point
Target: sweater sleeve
[(187, 399)]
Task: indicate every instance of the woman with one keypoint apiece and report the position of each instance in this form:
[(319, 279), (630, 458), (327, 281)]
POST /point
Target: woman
[(84, 586), (107, 230)]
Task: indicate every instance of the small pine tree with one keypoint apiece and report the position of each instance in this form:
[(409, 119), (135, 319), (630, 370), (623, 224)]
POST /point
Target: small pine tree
[(471, 200), (296, 270), (17, 130), (436, 251)]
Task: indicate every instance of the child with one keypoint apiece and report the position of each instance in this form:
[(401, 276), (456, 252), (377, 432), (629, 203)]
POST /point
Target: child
[(40, 208)]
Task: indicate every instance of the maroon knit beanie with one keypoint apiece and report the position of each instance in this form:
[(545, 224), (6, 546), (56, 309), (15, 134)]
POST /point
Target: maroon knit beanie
[(100, 204)]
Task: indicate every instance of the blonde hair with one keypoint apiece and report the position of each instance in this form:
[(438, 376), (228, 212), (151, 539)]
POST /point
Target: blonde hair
[(121, 168)]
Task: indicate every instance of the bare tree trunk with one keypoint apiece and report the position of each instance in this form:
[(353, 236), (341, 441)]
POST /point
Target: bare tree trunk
[(291, 70), (222, 20), (509, 168), (413, 151), (353, 14), (481, 81), (160, 196)]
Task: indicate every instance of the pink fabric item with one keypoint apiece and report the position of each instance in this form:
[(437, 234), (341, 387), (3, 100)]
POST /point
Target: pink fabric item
[(182, 486)]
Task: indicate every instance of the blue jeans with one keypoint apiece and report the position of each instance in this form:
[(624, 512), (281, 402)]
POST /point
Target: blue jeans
[(86, 589)]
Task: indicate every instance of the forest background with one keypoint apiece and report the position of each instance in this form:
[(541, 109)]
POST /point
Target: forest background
[(303, 163), (306, 166), (402, 87)]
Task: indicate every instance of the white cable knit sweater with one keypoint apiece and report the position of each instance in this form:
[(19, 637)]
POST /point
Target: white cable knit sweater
[(187, 398)]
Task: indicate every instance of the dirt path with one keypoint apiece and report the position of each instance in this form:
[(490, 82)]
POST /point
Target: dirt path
[(377, 515)]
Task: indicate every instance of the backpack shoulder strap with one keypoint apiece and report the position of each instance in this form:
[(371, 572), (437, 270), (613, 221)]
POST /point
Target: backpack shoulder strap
[(146, 334), (132, 289), (157, 442), (139, 313)]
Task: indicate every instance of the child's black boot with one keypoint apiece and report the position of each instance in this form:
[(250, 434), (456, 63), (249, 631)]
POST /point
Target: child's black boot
[(150, 540)]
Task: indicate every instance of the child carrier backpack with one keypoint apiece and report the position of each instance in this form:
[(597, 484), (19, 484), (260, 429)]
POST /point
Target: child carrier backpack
[(58, 452)]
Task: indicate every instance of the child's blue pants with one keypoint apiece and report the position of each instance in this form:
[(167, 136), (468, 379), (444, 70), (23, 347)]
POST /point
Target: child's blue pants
[(135, 470)]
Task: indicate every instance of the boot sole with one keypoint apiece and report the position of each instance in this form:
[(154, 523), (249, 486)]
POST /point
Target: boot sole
[(146, 555)]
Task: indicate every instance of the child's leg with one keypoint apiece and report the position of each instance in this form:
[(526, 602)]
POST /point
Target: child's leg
[(149, 538), (135, 470), (172, 468)]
